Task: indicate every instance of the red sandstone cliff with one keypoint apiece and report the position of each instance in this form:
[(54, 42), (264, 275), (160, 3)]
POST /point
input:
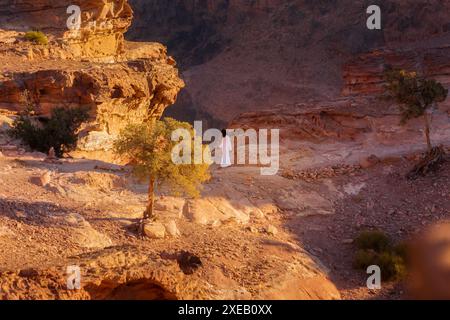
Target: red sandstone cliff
[(245, 56), (94, 66)]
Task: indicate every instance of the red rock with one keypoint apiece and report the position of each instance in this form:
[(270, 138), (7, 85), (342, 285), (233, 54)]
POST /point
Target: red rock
[(369, 161), (138, 82)]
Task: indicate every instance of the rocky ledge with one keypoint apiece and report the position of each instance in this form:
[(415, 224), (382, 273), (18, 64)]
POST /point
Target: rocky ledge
[(94, 66), (128, 272)]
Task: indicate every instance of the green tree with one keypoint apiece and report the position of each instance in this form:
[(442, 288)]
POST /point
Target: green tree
[(148, 149), (415, 95)]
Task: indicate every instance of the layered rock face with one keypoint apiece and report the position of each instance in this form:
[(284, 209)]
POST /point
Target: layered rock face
[(99, 35), (357, 116), (360, 118), (363, 75), (245, 56), (120, 81), (364, 120), (152, 278)]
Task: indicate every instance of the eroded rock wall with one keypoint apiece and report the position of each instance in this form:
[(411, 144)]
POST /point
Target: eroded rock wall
[(100, 34), (120, 81), (363, 75), (244, 56)]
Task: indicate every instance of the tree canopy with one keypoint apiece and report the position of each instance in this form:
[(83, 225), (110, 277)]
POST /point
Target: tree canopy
[(148, 148), (414, 94)]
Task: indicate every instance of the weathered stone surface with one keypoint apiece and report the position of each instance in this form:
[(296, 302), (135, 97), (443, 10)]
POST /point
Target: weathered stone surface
[(42, 180), (364, 73), (369, 161), (171, 207), (213, 211), (271, 230), (364, 121), (172, 229), (100, 35), (130, 273), (286, 51), (155, 230), (266, 207), (120, 82), (305, 203)]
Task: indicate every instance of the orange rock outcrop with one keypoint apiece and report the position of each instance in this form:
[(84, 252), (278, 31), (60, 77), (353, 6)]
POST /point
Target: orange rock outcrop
[(120, 81)]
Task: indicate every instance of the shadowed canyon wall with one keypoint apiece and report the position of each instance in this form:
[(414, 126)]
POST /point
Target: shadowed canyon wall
[(244, 56)]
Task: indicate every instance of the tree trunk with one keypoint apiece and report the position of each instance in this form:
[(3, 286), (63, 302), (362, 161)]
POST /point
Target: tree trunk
[(148, 213), (427, 131)]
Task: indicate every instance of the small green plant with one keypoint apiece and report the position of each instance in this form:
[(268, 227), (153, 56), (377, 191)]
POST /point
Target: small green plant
[(401, 250), (37, 37), (375, 248), (59, 131), (375, 240)]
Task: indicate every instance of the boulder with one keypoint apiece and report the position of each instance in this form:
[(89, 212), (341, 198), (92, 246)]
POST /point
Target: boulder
[(271, 230), (170, 206), (172, 229), (155, 230), (42, 180)]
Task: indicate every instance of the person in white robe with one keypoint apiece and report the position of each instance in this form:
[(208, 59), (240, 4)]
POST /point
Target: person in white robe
[(226, 150)]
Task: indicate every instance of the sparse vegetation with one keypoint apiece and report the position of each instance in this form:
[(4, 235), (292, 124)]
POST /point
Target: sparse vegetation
[(148, 148), (417, 96), (37, 37), (59, 131), (375, 248), (375, 240)]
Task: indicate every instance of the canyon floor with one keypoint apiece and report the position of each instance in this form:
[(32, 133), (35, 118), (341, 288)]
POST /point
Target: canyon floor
[(259, 237)]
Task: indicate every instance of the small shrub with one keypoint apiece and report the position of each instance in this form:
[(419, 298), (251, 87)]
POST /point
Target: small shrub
[(373, 240), (401, 250), (364, 258), (58, 132), (392, 266), (374, 248), (37, 37)]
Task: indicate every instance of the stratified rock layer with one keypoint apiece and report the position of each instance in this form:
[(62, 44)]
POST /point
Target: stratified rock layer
[(128, 273), (121, 82), (99, 35), (245, 56), (361, 114), (363, 75)]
